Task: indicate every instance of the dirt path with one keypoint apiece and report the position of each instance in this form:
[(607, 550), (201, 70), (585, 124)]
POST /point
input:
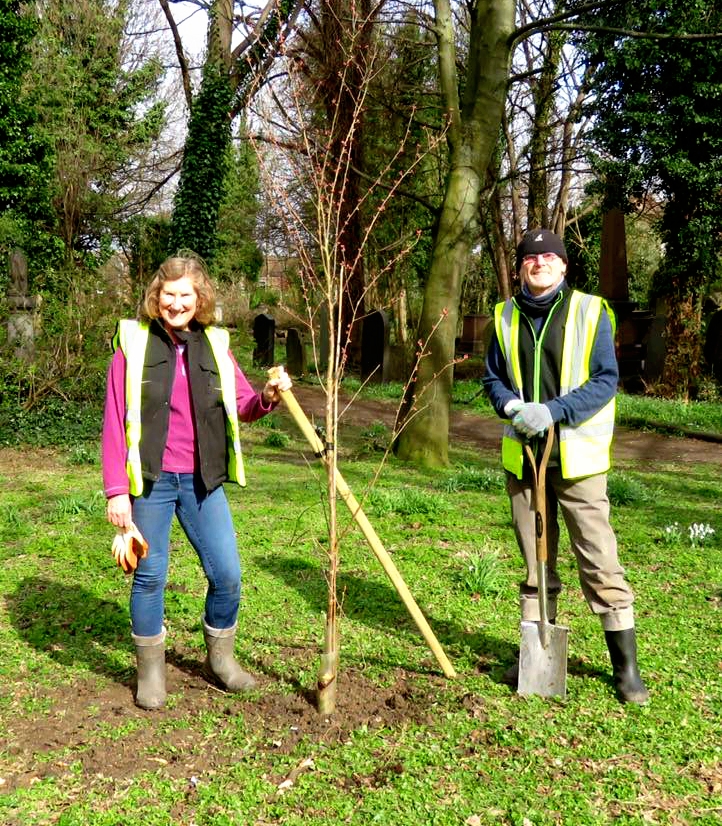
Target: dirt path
[(485, 432)]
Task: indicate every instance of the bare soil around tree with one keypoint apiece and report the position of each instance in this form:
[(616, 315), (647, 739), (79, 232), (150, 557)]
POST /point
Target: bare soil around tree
[(44, 745)]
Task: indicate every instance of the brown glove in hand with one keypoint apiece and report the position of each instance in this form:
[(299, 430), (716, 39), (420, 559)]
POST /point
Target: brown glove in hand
[(128, 547)]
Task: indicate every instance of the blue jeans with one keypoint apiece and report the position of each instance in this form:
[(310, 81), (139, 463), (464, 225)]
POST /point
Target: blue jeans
[(206, 519)]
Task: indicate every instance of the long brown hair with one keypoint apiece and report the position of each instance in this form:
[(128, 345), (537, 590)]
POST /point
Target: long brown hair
[(173, 268)]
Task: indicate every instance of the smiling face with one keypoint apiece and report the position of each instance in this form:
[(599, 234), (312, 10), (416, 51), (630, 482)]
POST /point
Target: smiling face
[(180, 293), (177, 303), (542, 273)]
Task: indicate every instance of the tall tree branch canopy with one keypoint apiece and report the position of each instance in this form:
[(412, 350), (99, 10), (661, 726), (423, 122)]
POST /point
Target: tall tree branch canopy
[(658, 133), (24, 157)]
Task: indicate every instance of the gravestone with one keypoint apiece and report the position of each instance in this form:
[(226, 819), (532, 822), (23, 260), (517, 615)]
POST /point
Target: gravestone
[(656, 349), (21, 308), (613, 272), (295, 353), (375, 347), (476, 333), (264, 334), (18, 275)]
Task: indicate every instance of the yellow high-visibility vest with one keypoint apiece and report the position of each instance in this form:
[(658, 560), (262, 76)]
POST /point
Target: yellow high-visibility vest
[(132, 338), (584, 449)]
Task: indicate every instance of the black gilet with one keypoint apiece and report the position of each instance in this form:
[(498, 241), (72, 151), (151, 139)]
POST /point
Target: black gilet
[(206, 399)]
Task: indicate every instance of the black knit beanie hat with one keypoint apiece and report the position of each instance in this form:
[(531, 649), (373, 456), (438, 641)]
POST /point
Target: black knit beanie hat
[(538, 241)]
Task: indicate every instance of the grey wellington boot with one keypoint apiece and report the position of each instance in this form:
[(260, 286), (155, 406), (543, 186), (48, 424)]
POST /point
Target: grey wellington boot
[(628, 683), (150, 659), (220, 665)]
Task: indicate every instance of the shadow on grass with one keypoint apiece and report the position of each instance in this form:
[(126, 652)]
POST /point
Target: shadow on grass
[(377, 605), (71, 625)]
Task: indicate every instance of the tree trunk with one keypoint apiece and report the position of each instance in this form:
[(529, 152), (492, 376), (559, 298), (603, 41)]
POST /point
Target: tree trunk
[(328, 671), (539, 154), (472, 134), (345, 47)]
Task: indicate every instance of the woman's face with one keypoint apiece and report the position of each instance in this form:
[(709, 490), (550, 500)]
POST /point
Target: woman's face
[(177, 303)]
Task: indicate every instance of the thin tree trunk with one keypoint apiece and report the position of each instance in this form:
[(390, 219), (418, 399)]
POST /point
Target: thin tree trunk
[(328, 672), (544, 90)]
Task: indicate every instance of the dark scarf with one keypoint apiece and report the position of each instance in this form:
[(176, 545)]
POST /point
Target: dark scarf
[(537, 307)]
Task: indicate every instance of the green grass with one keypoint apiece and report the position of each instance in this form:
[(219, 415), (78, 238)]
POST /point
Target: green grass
[(647, 413), (463, 751)]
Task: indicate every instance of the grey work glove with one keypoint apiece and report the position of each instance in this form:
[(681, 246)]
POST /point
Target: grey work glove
[(532, 419), (511, 407)]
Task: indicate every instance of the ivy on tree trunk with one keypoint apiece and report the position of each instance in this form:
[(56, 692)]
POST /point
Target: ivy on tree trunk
[(200, 190)]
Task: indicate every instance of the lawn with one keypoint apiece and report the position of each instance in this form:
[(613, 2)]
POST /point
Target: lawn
[(406, 745)]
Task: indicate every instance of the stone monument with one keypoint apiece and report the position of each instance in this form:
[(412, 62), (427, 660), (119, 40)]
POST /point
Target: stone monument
[(375, 347), (22, 320), (264, 334), (633, 324), (295, 353)]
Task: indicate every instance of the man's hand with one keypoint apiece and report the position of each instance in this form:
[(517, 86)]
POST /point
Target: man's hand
[(532, 419), (511, 407)]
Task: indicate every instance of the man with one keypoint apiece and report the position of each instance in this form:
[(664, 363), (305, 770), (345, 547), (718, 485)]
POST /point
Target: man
[(552, 364)]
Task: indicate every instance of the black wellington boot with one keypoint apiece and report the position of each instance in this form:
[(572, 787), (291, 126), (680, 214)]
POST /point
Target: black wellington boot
[(628, 683)]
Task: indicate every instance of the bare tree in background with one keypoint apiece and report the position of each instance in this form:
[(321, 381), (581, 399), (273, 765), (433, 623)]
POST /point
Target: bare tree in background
[(541, 168), (307, 166)]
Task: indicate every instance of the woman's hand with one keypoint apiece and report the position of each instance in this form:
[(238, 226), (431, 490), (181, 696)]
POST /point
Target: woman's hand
[(119, 511), (271, 393)]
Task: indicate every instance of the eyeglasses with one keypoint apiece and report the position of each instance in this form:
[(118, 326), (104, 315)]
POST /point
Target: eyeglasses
[(546, 257)]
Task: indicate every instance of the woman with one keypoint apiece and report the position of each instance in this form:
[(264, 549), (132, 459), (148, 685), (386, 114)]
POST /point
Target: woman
[(174, 400)]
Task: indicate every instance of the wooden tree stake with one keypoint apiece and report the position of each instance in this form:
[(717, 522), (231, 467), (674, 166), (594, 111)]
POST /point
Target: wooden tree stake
[(369, 533)]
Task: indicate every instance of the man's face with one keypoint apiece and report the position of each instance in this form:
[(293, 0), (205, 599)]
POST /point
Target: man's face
[(542, 273)]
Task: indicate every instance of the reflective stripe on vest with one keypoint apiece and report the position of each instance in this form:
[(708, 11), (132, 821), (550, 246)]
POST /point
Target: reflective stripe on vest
[(506, 320), (220, 341), (132, 338), (583, 449)]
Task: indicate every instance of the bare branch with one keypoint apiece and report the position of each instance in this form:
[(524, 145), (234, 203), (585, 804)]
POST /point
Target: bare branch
[(180, 53), (556, 23)]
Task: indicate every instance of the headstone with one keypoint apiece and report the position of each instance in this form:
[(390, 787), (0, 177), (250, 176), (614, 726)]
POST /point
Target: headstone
[(264, 334), (613, 273), (295, 353), (375, 347), (18, 274), (656, 349), (475, 334), (22, 308)]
